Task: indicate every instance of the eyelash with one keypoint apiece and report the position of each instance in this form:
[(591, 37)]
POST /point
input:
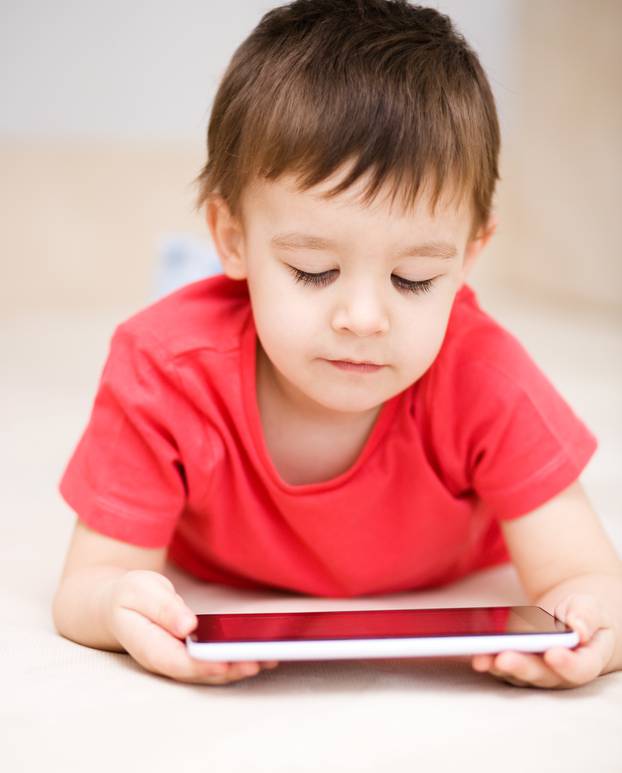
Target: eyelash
[(322, 279)]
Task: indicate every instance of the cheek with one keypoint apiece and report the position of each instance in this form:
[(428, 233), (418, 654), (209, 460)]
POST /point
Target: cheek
[(423, 331), (283, 322)]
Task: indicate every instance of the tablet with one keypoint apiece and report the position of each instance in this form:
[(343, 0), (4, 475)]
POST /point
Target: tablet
[(376, 633)]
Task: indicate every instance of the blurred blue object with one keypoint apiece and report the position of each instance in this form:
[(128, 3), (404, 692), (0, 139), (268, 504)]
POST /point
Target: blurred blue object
[(183, 258)]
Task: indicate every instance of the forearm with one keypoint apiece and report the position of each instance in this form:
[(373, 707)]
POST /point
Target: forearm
[(607, 588), (79, 607)]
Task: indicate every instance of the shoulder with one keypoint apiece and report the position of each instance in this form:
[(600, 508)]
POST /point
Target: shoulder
[(208, 314), (478, 352), (483, 375), (486, 386), (494, 422)]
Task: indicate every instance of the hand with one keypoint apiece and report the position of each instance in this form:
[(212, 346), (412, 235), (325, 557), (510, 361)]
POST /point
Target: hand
[(560, 667), (148, 618)]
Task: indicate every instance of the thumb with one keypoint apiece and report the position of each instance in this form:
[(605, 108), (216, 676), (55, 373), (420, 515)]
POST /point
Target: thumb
[(186, 619), (582, 612)]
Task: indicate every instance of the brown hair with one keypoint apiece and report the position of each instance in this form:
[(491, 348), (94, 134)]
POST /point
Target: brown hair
[(390, 85)]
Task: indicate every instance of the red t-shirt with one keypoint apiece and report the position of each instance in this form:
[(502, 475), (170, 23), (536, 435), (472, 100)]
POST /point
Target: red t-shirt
[(173, 455)]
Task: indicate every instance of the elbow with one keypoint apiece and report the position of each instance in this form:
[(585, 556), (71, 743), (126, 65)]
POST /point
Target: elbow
[(57, 610)]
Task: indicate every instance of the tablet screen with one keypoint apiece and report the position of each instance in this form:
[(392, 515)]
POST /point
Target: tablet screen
[(363, 624)]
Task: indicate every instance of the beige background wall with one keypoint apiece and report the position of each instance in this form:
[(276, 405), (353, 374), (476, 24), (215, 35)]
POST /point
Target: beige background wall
[(563, 161), (83, 218), (83, 214)]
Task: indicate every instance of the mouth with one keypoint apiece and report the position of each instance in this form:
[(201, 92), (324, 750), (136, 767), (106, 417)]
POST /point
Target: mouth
[(357, 366), (359, 362)]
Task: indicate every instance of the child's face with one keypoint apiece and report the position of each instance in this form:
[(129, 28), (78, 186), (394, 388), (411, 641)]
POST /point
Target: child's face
[(361, 311)]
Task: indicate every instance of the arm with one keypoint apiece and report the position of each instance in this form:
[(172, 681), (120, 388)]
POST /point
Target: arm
[(560, 540), (568, 566), (79, 605), (94, 561), (113, 596)]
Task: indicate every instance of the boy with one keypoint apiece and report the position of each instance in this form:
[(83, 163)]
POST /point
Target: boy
[(336, 415)]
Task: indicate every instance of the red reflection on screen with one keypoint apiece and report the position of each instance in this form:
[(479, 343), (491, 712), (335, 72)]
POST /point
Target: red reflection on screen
[(393, 623)]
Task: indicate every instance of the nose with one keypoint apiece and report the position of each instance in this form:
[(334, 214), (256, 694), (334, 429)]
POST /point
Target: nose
[(361, 310)]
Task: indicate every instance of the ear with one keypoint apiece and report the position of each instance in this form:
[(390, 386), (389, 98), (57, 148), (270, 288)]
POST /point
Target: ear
[(228, 237), (477, 244)]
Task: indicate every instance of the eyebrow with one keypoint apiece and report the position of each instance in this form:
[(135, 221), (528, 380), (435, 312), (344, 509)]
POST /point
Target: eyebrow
[(295, 240)]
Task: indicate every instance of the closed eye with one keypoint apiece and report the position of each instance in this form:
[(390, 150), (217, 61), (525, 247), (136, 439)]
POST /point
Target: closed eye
[(323, 278)]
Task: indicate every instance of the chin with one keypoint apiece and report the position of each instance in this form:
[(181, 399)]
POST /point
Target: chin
[(347, 400)]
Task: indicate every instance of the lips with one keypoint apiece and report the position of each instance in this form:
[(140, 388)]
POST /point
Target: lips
[(357, 367), (360, 362)]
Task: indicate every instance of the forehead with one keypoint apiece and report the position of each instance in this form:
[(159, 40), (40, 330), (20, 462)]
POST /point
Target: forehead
[(280, 202)]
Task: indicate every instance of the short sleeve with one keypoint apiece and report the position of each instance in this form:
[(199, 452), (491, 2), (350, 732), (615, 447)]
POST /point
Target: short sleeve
[(125, 478), (505, 432), (525, 443)]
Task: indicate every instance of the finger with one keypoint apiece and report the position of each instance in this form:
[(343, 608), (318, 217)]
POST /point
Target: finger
[(166, 609), (160, 652), (158, 604), (485, 663), (157, 615), (557, 667), (148, 577), (509, 679), (499, 673), (482, 662), (525, 668), (577, 621), (251, 668), (583, 613), (240, 669), (584, 663)]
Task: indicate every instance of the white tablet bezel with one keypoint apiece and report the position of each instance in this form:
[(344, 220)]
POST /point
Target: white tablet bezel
[(406, 647)]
